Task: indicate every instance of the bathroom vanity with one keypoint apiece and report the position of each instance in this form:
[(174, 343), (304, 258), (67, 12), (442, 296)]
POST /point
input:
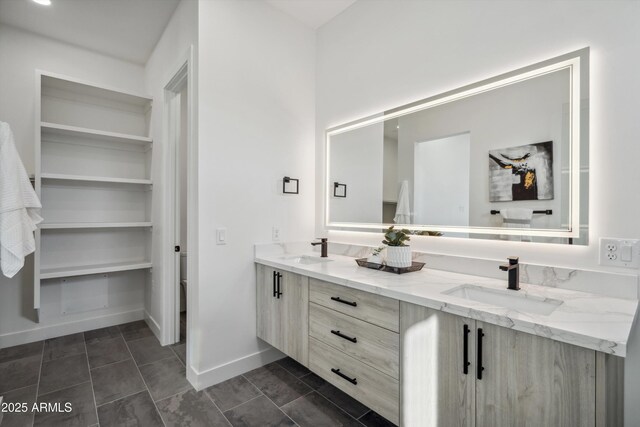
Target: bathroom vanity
[(441, 348)]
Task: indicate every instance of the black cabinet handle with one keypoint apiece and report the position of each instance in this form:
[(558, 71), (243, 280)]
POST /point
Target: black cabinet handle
[(279, 276), (465, 356), (275, 293), (351, 303), (353, 340), (479, 367), (341, 375)]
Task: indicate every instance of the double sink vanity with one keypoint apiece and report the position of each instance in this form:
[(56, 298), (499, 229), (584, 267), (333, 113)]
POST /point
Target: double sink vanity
[(434, 347)]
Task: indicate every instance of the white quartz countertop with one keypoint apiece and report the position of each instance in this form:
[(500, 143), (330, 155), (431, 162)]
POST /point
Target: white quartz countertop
[(587, 320)]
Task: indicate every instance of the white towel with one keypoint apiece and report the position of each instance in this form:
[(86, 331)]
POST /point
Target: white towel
[(516, 218), (19, 206), (403, 211)]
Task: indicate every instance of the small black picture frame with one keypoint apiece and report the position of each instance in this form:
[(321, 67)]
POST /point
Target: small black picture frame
[(339, 190), (288, 186)]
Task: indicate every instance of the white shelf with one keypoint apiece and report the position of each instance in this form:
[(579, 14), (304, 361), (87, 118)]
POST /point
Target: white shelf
[(87, 178), (57, 272), (86, 225), (65, 130), (81, 87)]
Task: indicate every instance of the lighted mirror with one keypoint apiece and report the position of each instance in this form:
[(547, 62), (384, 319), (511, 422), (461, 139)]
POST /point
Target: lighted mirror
[(505, 158)]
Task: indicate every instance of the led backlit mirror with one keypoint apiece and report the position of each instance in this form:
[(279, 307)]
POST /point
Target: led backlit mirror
[(505, 158)]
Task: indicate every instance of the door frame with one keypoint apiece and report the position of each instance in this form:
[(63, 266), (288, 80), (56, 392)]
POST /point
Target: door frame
[(183, 75)]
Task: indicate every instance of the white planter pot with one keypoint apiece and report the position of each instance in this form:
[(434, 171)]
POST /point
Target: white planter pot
[(399, 256)]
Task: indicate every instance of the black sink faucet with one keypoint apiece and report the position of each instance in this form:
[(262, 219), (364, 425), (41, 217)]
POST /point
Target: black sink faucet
[(514, 273), (323, 241)]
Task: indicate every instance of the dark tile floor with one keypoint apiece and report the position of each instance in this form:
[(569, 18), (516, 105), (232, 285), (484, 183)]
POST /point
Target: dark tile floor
[(121, 376)]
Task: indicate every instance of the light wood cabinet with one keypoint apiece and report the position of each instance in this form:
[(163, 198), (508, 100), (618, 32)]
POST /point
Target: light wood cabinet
[(512, 378), (283, 311)]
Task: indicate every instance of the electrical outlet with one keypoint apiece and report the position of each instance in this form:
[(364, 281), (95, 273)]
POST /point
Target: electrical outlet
[(620, 252), (275, 234)]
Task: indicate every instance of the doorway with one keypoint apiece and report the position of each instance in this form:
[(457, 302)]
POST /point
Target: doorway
[(180, 177)]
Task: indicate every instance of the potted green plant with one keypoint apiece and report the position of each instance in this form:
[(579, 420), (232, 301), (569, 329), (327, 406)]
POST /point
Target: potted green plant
[(398, 252)]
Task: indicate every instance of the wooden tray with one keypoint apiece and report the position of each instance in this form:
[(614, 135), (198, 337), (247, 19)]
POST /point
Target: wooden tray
[(415, 266)]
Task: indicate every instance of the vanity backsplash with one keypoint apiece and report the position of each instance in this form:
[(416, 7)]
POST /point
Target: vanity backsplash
[(617, 285)]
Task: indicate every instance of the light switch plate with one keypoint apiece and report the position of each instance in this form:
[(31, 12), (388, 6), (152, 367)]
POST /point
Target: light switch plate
[(221, 236), (620, 252)]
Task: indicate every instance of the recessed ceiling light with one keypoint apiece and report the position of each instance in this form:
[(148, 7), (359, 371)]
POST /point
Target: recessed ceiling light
[(43, 2)]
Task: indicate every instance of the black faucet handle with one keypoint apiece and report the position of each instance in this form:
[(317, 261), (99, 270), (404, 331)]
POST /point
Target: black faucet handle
[(513, 260), (322, 239)]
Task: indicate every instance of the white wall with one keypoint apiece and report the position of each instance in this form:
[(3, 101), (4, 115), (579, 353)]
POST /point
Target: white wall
[(256, 125), (167, 57), (357, 161), (21, 53), (355, 79)]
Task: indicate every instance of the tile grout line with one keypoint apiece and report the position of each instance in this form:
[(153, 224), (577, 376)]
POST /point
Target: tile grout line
[(285, 414), (65, 387), (123, 397), (220, 410), (33, 418), (155, 361), (342, 410), (144, 382), (174, 352), (93, 392)]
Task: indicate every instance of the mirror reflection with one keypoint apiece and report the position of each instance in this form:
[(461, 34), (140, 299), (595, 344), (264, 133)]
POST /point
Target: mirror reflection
[(498, 159)]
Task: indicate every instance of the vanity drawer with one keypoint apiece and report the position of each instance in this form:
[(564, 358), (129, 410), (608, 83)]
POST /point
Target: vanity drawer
[(371, 344), (378, 391), (372, 308)]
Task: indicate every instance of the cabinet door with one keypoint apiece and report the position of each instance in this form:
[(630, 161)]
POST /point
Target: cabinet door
[(294, 316), (267, 307), (434, 389), (533, 381)]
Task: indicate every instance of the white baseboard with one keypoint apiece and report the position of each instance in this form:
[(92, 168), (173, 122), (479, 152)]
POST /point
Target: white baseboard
[(201, 380), (155, 328), (42, 332)]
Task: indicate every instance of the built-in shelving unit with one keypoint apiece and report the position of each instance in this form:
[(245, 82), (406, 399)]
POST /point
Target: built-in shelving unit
[(93, 176)]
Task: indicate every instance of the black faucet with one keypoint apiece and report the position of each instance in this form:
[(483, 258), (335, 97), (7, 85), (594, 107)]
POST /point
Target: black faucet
[(514, 273), (323, 241)]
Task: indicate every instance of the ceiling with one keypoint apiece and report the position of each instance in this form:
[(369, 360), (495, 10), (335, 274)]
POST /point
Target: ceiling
[(130, 29), (313, 13), (125, 29)]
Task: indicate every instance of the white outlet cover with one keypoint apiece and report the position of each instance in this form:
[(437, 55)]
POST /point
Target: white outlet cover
[(613, 257)]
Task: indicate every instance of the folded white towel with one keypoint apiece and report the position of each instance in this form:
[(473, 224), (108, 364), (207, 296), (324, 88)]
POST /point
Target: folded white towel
[(19, 207), (516, 218), (403, 211)]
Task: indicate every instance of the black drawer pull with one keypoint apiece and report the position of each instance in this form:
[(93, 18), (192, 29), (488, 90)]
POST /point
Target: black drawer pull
[(479, 366), (274, 283), (279, 276), (353, 340), (351, 303), (465, 356), (341, 375)]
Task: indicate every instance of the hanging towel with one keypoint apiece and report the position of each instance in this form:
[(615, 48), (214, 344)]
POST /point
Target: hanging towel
[(517, 218), (403, 212), (19, 207)]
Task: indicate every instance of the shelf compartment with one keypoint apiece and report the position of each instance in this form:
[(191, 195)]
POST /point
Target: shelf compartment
[(88, 178), (94, 246), (83, 270), (89, 202), (74, 103), (93, 225)]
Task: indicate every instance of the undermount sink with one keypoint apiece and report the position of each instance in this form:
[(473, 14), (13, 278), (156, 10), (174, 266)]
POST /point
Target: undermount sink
[(305, 259), (513, 300)]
